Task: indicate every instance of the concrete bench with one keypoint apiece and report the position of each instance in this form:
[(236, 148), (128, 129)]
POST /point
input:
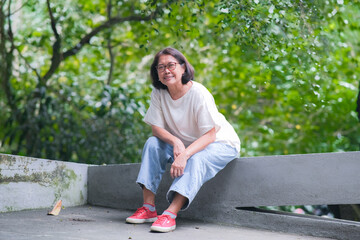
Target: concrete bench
[(307, 179)]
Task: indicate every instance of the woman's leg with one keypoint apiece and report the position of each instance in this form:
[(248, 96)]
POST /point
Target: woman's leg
[(148, 196), (166, 222), (156, 154), (177, 203), (200, 168)]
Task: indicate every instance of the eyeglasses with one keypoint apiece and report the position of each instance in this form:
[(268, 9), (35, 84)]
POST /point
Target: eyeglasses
[(171, 66)]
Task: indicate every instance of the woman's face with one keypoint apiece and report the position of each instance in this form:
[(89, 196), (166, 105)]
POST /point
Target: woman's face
[(169, 70)]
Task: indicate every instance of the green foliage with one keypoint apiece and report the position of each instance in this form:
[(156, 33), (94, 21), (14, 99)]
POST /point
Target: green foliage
[(293, 83), (284, 73)]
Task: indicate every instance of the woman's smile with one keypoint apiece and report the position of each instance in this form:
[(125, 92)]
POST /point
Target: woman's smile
[(168, 77)]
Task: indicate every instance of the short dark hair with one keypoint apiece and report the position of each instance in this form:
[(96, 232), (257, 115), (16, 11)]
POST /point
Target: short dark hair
[(186, 77)]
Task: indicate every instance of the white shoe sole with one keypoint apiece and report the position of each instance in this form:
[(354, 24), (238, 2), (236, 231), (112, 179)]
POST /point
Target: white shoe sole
[(132, 220), (162, 229)]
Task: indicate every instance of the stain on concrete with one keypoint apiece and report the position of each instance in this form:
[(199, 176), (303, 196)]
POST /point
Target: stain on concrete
[(82, 196), (9, 209), (61, 176), (7, 160), (81, 220)]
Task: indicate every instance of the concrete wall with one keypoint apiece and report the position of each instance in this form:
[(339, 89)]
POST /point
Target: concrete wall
[(307, 179), (29, 183)]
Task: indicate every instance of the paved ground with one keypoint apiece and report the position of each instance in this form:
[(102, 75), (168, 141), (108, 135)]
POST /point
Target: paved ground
[(87, 222)]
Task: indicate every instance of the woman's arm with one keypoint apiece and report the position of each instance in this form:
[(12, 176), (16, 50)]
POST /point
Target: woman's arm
[(167, 137), (182, 154), (201, 142), (178, 166)]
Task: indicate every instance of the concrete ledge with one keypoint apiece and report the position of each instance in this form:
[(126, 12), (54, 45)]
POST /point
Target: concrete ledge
[(30, 183), (114, 186), (307, 179)]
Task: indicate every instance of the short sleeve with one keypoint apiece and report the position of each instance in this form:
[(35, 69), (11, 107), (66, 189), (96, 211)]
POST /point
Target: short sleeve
[(207, 117), (154, 115)]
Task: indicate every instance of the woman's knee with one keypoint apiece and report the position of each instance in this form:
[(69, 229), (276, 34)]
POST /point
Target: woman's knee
[(155, 150), (195, 163), (152, 142)]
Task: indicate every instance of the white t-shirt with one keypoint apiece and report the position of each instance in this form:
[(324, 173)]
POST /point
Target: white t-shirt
[(190, 116)]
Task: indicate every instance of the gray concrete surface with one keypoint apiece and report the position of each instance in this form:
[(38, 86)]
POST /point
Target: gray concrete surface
[(89, 222), (28, 183)]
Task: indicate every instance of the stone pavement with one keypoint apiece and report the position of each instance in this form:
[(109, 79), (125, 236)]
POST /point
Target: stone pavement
[(89, 222)]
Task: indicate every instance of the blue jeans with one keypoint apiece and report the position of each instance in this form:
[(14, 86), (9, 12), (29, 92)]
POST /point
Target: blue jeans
[(200, 167)]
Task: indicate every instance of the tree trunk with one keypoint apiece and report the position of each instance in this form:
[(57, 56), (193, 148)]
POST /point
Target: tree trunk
[(358, 104)]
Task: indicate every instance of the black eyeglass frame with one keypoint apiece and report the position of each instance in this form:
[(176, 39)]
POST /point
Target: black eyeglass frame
[(167, 66)]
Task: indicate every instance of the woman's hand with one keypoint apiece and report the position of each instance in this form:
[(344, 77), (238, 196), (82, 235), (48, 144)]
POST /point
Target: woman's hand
[(180, 159), (179, 164), (182, 154), (178, 148)]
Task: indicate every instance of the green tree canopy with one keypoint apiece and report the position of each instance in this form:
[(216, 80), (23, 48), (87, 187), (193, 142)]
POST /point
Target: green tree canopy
[(75, 74)]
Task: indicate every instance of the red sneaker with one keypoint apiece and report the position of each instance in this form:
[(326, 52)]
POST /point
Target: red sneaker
[(142, 215), (164, 223)]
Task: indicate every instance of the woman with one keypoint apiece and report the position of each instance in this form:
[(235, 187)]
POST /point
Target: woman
[(188, 132)]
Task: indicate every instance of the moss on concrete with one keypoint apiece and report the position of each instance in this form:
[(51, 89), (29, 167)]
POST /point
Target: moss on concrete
[(9, 209), (61, 176), (7, 159)]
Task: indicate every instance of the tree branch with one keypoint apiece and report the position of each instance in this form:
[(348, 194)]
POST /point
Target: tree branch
[(52, 19), (109, 8), (9, 14), (28, 64), (358, 104), (6, 57), (57, 54), (2, 41), (109, 23)]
